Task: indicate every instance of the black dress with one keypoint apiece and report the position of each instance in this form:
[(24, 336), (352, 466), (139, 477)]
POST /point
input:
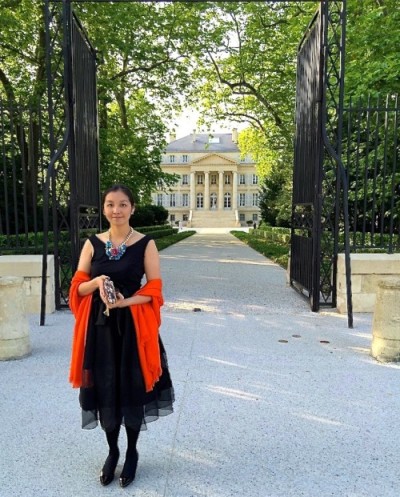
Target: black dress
[(116, 393)]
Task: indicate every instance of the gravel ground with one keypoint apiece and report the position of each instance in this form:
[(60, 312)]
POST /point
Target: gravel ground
[(272, 400)]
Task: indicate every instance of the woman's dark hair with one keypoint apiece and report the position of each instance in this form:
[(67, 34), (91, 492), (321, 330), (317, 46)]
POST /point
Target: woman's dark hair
[(119, 188)]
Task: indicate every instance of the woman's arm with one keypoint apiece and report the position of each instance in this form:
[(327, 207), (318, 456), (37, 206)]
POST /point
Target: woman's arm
[(152, 262), (85, 263)]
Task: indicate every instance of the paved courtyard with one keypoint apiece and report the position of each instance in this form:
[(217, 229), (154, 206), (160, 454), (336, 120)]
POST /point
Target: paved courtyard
[(272, 399)]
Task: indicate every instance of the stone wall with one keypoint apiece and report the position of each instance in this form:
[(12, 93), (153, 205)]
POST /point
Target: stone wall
[(366, 271), (29, 267)]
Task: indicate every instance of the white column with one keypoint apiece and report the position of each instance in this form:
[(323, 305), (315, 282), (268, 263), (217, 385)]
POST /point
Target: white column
[(235, 190), (221, 191), (207, 191), (192, 191)]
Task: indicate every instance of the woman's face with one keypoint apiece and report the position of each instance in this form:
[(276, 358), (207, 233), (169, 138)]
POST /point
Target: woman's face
[(117, 208)]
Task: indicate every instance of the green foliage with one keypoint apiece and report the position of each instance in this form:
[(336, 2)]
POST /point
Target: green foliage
[(372, 47), (277, 252), (275, 197), (147, 215), (166, 241), (246, 64), (167, 231), (230, 60), (272, 234), (22, 44)]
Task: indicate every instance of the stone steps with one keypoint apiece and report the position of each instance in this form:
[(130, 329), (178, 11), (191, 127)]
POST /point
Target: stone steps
[(218, 219)]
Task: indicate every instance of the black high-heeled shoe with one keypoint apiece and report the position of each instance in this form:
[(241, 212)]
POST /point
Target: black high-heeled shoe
[(108, 471), (129, 470)]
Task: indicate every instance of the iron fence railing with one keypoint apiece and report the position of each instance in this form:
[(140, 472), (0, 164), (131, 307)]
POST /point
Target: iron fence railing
[(24, 152), (371, 153)]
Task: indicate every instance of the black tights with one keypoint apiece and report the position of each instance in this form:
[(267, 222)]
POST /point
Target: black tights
[(131, 458), (129, 468), (112, 440), (113, 454)]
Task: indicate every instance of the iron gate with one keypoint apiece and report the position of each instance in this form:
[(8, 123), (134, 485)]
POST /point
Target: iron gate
[(319, 208), (72, 183), (319, 180)]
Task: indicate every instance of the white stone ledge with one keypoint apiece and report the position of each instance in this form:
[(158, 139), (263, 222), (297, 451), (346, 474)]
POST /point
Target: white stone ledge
[(367, 270), (29, 267)]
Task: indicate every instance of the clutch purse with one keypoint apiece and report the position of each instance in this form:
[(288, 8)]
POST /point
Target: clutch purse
[(109, 290)]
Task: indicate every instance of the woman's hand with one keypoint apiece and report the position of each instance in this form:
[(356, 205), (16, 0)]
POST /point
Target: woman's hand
[(99, 280), (88, 287), (116, 305)]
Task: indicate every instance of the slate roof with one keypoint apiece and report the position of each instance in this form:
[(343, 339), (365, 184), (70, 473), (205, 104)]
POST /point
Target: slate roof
[(201, 143)]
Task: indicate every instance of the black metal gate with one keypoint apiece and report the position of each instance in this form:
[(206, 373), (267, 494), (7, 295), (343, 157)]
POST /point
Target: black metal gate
[(320, 190), (72, 188), (319, 207)]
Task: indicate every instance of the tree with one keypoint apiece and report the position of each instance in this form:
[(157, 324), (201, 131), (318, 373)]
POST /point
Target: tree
[(22, 50), (144, 69), (131, 154), (246, 72), (372, 55)]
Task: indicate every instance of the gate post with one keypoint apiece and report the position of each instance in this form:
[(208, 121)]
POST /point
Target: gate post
[(386, 323), (14, 328)]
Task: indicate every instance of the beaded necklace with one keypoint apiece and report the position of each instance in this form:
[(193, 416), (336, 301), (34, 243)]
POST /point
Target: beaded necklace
[(115, 253)]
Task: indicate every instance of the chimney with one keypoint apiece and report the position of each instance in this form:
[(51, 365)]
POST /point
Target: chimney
[(172, 137), (234, 135), (194, 136)]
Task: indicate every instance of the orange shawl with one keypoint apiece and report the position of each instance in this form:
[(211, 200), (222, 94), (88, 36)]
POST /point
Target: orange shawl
[(147, 319), (80, 307)]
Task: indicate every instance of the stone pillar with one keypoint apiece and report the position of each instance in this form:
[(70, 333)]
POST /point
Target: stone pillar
[(192, 191), (14, 328), (221, 191), (386, 321), (207, 190), (235, 190)]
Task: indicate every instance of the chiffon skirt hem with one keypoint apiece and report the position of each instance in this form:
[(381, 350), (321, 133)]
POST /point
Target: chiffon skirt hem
[(116, 393)]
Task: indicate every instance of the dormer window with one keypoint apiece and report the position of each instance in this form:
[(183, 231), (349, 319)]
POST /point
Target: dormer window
[(213, 139)]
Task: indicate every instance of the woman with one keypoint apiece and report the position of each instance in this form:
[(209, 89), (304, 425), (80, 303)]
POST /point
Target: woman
[(118, 360)]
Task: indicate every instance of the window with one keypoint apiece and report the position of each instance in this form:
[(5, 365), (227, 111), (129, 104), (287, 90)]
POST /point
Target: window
[(242, 179), (185, 179), (185, 217), (255, 217), (172, 158), (159, 183), (242, 159), (200, 179), (227, 179), (255, 179), (213, 139), (242, 218), (185, 200), (227, 200), (255, 199), (159, 198), (172, 218), (184, 158), (172, 200), (242, 199), (200, 201), (213, 201), (213, 179)]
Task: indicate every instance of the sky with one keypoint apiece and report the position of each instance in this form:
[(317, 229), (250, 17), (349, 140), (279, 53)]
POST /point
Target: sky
[(186, 123)]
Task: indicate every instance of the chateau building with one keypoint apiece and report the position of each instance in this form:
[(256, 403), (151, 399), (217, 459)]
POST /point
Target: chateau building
[(216, 187)]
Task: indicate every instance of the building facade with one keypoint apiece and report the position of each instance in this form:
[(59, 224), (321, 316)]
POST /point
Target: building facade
[(216, 187)]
